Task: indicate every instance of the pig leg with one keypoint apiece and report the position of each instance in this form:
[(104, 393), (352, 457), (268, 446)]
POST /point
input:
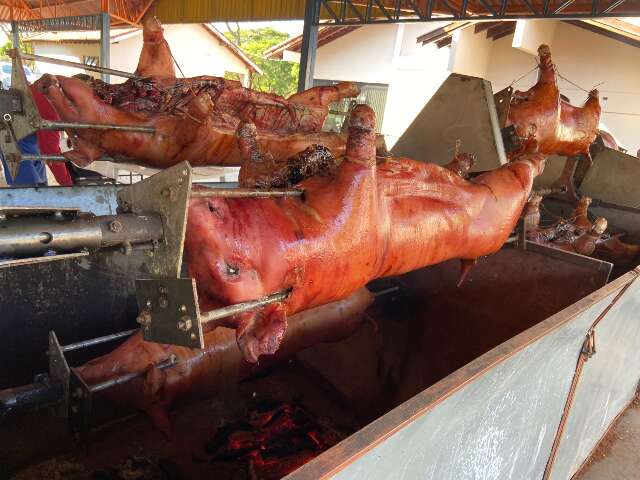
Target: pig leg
[(260, 332)]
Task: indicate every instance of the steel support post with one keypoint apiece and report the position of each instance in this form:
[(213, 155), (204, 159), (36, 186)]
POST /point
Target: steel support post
[(105, 44), (309, 46), (15, 35)]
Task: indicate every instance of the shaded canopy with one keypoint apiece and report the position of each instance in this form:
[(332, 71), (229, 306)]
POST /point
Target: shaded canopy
[(334, 11)]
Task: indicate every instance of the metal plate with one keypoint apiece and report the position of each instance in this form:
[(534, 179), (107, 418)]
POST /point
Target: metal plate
[(30, 261), (575, 258), (167, 193), (462, 109), (99, 200), (607, 384), (59, 371), (553, 168), (169, 301), (613, 178), (29, 121), (503, 104)]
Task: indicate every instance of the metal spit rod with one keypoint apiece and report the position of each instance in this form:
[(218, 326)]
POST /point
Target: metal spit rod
[(247, 192), (551, 191), (243, 307), (67, 63), (51, 125), (169, 362), (56, 158), (98, 340)]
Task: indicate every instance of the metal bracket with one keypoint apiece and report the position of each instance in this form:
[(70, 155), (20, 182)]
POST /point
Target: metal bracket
[(166, 193), (29, 121), (510, 139), (80, 404), (503, 105), (589, 345), (522, 234), (59, 370), (169, 311)]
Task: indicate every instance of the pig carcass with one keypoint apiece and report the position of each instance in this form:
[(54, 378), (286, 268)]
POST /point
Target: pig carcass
[(219, 363), (542, 117), (361, 221), (195, 118)]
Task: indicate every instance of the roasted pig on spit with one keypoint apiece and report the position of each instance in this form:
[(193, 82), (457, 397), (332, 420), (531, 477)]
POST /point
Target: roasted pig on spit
[(195, 118), (542, 115), (219, 363), (356, 223), (578, 234)]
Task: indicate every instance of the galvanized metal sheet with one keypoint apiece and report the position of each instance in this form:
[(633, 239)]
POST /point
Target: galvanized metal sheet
[(166, 193), (100, 200), (613, 178), (494, 418), (608, 383), (552, 170), (462, 109)]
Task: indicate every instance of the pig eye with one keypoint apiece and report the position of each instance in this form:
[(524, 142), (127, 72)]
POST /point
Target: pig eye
[(232, 270)]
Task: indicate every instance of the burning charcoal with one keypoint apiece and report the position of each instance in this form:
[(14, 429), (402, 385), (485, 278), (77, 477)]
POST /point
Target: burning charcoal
[(278, 438)]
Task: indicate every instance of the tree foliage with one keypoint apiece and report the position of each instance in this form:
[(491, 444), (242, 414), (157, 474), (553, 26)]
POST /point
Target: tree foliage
[(278, 76), (24, 46)]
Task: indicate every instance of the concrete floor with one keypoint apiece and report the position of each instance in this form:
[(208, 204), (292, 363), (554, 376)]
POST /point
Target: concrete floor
[(617, 457)]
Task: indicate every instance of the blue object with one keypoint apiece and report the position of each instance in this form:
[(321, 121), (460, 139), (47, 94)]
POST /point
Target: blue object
[(31, 173)]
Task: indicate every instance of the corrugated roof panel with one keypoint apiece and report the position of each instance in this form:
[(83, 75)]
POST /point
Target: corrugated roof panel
[(202, 11)]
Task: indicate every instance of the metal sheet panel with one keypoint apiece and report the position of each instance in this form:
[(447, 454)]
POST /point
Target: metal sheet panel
[(494, 418), (613, 178), (462, 109), (100, 200), (552, 170), (607, 385)]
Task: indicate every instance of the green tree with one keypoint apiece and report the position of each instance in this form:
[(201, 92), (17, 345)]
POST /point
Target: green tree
[(278, 76), (25, 47)]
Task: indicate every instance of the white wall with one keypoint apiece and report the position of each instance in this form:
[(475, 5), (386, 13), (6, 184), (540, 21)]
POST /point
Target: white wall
[(196, 51), (389, 55), (416, 74), (470, 53), (364, 55), (71, 52)]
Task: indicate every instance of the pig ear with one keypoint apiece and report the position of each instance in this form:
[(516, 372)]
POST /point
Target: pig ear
[(261, 332)]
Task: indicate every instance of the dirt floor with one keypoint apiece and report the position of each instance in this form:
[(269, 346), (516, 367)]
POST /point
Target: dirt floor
[(617, 456)]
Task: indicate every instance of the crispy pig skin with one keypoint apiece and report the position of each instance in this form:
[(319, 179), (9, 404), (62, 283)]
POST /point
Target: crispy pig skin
[(542, 114), (363, 221)]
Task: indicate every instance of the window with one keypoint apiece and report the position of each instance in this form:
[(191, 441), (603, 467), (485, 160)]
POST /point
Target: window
[(91, 61), (372, 94)]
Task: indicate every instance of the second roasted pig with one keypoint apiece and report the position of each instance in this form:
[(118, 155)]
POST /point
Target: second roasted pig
[(359, 222)]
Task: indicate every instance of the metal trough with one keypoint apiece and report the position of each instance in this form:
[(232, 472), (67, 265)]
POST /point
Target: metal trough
[(447, 382)]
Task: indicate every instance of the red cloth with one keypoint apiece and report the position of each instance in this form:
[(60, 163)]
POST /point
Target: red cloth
[(49, 140)]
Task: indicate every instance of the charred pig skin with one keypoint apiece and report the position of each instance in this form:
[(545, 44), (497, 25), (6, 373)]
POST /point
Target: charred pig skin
[(195, 117)]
